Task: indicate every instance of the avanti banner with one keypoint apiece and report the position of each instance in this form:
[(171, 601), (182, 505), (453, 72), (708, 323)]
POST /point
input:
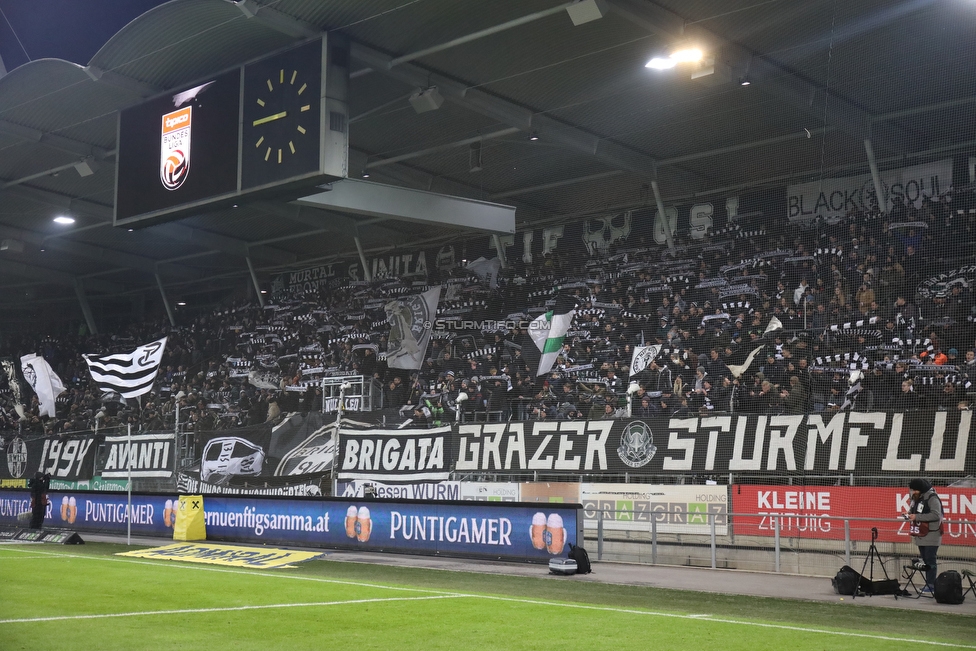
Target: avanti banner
[(138, 455)]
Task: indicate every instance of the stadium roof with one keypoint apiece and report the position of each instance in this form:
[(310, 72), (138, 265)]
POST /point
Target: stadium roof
[(825, 76)]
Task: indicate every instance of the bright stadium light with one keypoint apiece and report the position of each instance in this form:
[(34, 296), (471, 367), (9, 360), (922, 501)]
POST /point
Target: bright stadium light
[(687, 55), (657, 63), (64, 219)]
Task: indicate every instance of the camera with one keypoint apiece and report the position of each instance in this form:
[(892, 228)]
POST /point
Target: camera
[(904, 516)]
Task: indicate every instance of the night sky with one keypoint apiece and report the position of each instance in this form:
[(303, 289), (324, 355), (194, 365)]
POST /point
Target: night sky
[(73, 30)]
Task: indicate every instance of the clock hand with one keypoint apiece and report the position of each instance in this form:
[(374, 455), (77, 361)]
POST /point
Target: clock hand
[(270, 118)]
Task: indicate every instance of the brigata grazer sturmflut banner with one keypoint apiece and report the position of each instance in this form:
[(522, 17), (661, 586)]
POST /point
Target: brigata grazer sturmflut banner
[(936, 444), (406, 455)]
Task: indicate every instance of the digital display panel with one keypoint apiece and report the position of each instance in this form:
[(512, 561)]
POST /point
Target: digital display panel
[(179, 149), (266, 128)]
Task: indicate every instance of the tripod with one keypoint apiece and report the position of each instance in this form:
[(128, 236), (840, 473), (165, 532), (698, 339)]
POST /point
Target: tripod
[(872, 555)]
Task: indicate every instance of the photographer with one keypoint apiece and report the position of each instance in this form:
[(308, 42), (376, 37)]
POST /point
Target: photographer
[(925, 518), (39, 502)]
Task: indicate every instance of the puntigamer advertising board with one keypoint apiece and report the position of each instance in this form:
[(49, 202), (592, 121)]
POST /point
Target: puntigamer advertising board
[(498, 530)]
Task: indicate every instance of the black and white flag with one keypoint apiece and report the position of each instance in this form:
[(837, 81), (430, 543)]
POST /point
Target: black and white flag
[(45, 382), (128, 374), (410, 321), (774, 325), (643, 356)]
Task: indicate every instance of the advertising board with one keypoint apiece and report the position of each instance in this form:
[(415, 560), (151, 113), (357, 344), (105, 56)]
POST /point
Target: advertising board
[(675, 509), (818, 512), (497, 530)]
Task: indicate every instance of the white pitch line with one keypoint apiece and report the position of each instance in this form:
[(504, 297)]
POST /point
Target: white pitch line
[(234, 570), (705, 618), (696, 617), (183, 611)]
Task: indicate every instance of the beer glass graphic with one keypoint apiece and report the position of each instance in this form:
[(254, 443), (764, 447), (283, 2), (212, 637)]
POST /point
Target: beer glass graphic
[(555, 534), (351, 519), (69, 509), (364, 526), (537, 532)]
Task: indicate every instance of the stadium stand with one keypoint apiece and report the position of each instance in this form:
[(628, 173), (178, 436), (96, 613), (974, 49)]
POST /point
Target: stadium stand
[(862, 328)]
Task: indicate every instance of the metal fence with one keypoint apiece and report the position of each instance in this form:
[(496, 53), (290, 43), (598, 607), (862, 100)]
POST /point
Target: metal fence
[(717, 546)]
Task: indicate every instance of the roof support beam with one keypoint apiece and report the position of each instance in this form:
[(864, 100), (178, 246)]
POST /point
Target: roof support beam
[(57, 277), (55, 141), (491, 135), (85, 307), (114, 79), (223, 243), (275, 19), (254, 280), (91, 251), (317, 219), (169, 308), (388, 201), (461, 40), (509, 113)]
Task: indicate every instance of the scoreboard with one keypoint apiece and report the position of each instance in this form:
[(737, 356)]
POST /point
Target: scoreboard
[(277, 125)]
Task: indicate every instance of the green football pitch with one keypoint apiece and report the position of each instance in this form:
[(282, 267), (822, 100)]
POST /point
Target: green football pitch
[(87, 598)]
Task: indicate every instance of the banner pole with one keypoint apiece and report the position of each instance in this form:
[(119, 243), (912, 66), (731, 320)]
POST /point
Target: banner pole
[(128, 514)]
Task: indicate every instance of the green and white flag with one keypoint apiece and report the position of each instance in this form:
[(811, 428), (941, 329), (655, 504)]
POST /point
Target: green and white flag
[(548, 330)]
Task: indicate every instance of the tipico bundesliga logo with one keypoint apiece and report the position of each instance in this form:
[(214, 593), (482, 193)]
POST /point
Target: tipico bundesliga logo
[(174, 148), (174, 143)]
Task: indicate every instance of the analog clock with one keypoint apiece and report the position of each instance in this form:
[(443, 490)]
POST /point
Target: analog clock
[(282, 116)]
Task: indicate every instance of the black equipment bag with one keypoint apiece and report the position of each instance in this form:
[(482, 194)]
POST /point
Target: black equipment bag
[(948, 588), (882, 586), (582, 559), (846, 581)]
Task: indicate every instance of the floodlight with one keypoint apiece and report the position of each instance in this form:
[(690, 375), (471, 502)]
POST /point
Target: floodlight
[(657, 63), (687, 55)]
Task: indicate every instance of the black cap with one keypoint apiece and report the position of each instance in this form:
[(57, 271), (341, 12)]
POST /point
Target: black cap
[(920, 485)]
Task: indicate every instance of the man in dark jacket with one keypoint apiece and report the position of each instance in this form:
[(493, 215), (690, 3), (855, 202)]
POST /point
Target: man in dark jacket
[(38, 491), (925, 527)]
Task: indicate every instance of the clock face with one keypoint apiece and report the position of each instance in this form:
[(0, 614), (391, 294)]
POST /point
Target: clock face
[(282, 116)]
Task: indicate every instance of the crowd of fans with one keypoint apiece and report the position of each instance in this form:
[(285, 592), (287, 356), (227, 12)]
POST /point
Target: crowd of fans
[(855, 333)]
